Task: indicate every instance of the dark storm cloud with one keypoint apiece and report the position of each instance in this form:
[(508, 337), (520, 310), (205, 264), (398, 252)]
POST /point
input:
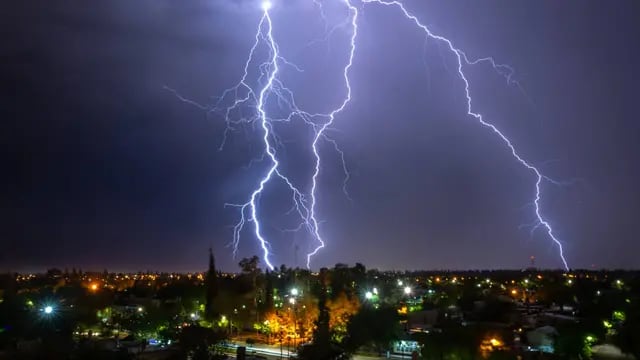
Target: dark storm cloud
[(103, 168), (94, 155)]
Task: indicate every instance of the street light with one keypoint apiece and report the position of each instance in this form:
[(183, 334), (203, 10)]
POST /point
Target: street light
[(407, 290), (48, 312), (294, 292), (368, 295)]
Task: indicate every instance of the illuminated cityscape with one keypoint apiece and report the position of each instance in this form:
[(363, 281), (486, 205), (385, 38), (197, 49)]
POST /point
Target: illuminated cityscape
[(320, 180), (528, 313)]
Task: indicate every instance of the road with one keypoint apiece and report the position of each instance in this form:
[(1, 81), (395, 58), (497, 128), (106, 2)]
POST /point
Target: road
[(273, 352)]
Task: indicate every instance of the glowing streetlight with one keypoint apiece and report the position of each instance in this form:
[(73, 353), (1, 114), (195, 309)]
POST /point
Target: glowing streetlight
[(94, 287), (495, 342), (375, 291), (294, 292), (292, 301), (140, 309), (368, 295), (400, 283), (407, 290), (48, 309)]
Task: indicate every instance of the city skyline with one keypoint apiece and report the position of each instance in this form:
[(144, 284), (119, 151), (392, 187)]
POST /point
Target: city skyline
[(111, 170)]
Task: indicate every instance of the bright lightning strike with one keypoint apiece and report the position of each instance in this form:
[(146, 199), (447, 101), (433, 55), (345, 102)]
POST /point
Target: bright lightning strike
[(271, 68), (331, 116), (230, 106), (463, 60), (269, 86)]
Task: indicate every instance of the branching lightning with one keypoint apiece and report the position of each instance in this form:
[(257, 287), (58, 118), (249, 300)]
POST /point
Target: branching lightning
[(270, 86), (331, 116), (243, 94), (462, 60), (233, 102)]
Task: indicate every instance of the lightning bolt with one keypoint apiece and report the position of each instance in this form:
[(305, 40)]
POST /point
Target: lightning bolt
[(462, 61), (271, 86), (231, 105), (331, 117), (271, 68)]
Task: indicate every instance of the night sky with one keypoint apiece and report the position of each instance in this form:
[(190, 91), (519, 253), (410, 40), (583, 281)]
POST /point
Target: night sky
[(104, 168)]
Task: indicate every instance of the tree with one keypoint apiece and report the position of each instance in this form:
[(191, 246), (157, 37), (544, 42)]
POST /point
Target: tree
[(250, 271), (373, 327), (321, 335), (573, 341), (198, 342), (496, 310), (249, 266), (212, 288), (556, 292), (321, 348), (628, 336), (268, 292), (341, 280), (341, 309)]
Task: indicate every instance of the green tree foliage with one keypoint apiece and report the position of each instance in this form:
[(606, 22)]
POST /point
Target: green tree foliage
[(628, 336)]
